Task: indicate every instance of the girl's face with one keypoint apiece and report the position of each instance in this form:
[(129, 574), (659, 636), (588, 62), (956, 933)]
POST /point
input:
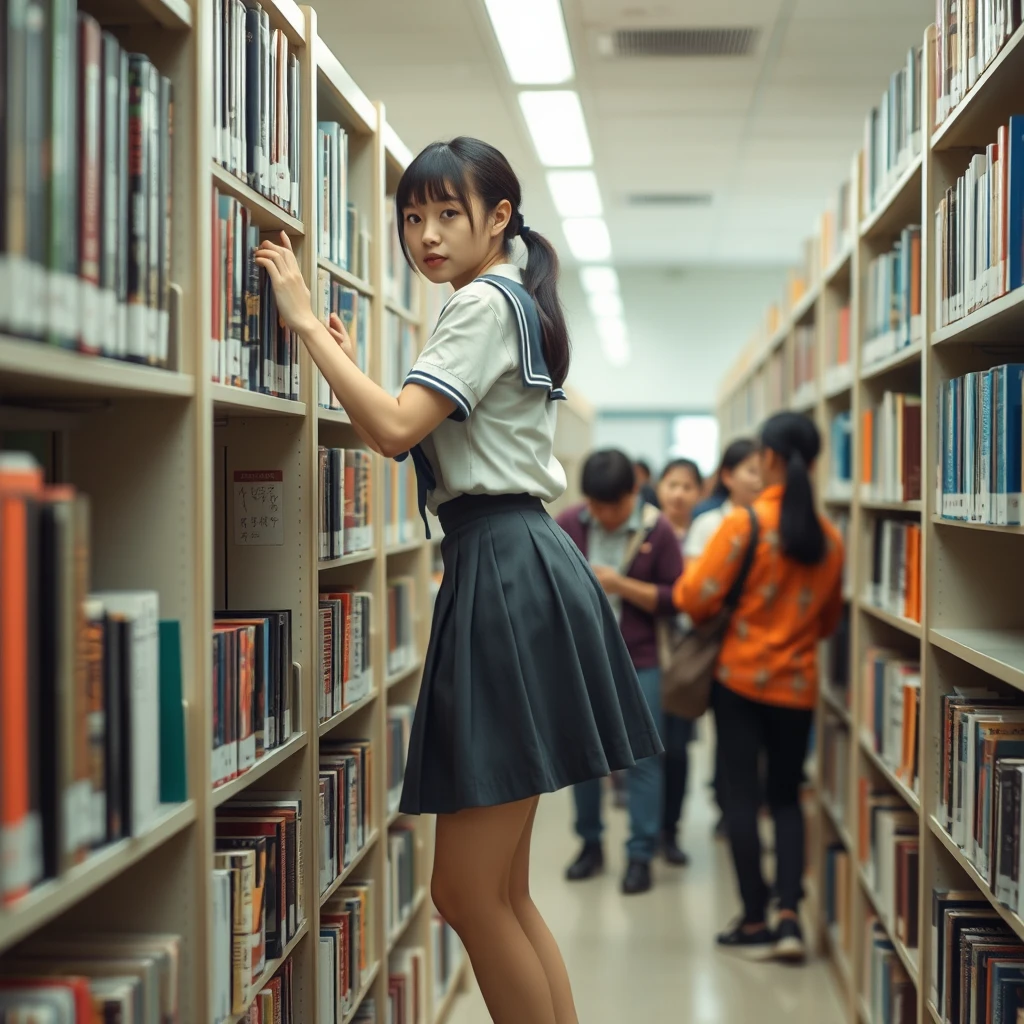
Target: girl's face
[(446, 247), (678, 492), (744, 482)]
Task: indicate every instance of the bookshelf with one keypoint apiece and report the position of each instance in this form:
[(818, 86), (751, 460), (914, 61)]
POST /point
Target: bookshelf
[(154, 449), (970, 632)]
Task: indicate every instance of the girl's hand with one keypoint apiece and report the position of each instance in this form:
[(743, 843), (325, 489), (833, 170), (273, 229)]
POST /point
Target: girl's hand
[(290, 291), (336, 329)]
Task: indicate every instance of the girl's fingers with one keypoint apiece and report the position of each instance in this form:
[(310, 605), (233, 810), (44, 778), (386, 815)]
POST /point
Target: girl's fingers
[(270, 267), (286, 242)]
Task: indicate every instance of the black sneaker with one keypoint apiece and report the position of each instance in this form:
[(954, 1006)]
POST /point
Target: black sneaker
[(757, 945), (588, 863), (673, 852), (637, 878), (789, 941)]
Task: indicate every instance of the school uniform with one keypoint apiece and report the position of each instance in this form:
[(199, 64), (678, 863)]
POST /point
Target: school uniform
[(527, 684)]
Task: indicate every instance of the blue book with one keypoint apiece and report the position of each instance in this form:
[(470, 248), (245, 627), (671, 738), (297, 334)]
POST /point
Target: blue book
[(1015, 204), (983, 507)]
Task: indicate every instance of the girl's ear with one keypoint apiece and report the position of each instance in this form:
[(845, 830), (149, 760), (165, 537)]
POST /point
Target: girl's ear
[(500, 217)]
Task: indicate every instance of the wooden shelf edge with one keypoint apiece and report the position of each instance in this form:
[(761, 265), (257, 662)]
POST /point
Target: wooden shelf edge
[(222, 794), (891, 777), (403, 673), (405, 547), (354, 559), (900, 358), (400, 311), (344, 87), (455, 982), (238, 401), (964, 330), (870, 224), (329, 724), (907, 626), (400, 929), (272, 217), (346, 278), (346, 874), (269, 971), (170, 13), (910, 963), (935, 1015), (338, 416), (891, 506), (837, 823), (964, 525), (832, 701), (52, 898), (836, 267), (986, 662)]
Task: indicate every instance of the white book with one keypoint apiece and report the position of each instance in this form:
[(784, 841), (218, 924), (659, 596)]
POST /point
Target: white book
[(222, 945)]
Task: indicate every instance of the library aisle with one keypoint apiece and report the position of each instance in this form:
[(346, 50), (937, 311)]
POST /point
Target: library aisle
[(652, 957)]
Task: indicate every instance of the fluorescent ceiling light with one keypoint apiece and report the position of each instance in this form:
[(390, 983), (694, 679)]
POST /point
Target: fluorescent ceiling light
[(588, 239), (557, 127), (575, 193), (611, 330), (605, 304), (596, 280), (533, 40)]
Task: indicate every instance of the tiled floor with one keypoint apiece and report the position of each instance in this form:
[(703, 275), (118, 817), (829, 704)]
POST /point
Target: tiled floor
[(651, 958)]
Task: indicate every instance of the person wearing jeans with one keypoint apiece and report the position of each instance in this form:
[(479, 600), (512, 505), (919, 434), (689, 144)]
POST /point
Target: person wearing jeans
[(767, 671), (635, 555)]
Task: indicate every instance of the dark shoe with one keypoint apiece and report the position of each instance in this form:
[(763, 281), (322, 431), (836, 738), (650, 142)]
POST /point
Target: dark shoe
[(789, 941), (637, 878), (587, 864), (674, 854), (758, 945)]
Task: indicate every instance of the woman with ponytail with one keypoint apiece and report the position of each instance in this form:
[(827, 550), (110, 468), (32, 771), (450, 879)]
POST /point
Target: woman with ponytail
[(767, 671), (527, 683)]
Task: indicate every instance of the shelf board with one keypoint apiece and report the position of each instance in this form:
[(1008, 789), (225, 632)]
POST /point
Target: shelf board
[(902, 205), (999, 652), (838, 824), (364, 991), (841, 383), (338, 416), (838, 268), (837, 499), (396, 934), (350, 280), (896, 621), (908, 956), (935, 1015), (890, 776), (891, 506), (863, 1012), (266, 214), (35, 369), (239, 402), (354, 559), (963, 525), (400, 311), (222, 794), (362, 114), (444, 1007), (396, 677), (347, 872), (52, 898), (957, 854), (269, 971), (839, 959), (804, 400), (404, 548), (902, 357), (975, 119), (1000, 320), (353, 709), (800, 312), (835, 703)]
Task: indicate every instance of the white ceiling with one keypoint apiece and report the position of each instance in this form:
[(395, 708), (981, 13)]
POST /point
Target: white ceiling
[(770, 136)]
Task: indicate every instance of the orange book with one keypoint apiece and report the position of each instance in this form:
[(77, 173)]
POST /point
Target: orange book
[(909, 741), (915, 274), (912, 601), (867, 446)]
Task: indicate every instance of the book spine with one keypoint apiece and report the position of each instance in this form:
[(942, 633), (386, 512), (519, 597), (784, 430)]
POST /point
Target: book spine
[(138, 218), (164, 213), (90, 65)]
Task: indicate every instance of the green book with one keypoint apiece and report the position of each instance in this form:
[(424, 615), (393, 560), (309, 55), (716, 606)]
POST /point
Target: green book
[(173, 776)]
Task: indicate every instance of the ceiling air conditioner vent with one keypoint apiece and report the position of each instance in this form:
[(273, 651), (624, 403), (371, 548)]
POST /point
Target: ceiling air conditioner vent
[(679, 42), (662, 199)]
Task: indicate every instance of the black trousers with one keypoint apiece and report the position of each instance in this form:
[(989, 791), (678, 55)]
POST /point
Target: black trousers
[(678, 734), (748, 731)]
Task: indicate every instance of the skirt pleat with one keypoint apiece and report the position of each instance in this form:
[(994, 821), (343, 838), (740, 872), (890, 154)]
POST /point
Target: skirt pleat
[(527, 684)]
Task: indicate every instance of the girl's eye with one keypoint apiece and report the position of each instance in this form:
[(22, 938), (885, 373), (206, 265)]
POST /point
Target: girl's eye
[(412, 218), (449, 214)]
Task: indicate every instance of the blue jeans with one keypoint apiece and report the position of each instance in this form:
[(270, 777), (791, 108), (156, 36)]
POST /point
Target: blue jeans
[(644, 783)]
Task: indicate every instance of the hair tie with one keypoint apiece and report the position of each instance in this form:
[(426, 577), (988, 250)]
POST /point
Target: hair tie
[(523, 229)]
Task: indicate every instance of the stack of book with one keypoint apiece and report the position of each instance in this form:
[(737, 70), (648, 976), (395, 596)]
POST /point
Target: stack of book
[(840, 466), (838, 887), (345, 944), (888, 854), (253, 690), (250, 346), (892, 304), (256, 102), (399, 351), (977, 971), (968, 37), (344, 237), (886, 988), (836, 228), (401, 875), (400, 718), (346, 675), (399, 279), (805, 345), (979, 224), (980, 446), (837, 349), (835, 765), (346, 512), (93, 977), (401, 624), (895, 584), (274, 1002), (892, 133), (87, 139), (448, 954), (401, 503), (346, 797), (891, 449), (407, 987), (891, 711), (353, 309)]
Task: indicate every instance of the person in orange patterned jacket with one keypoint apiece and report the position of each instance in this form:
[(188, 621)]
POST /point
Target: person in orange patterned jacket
[(767, 681)]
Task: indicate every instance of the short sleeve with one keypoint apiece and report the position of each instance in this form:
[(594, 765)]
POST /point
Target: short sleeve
[(466, 354)]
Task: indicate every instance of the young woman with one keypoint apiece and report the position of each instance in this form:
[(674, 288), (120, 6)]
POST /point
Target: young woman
[(679, 490), (527, 683), (767, 670)]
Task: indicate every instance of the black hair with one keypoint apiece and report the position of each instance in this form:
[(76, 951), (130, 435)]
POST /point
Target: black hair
[(642, 465), (795, 439), (683, 464), (456, 171), (608, 476), (738, 452)]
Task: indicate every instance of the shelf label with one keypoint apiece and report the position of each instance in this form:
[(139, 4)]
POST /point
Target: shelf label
[(259, 506)]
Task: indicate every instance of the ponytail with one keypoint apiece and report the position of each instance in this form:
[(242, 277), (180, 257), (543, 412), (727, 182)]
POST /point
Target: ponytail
[(541, 280), (795, 439)]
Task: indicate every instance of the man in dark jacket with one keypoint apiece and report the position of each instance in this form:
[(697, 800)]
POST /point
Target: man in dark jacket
[(605, 528)]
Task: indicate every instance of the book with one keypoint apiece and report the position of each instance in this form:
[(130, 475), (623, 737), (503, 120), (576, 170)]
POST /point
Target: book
[(400, 890), (344, 662), (401, 624), (891, 449), (353, 309), (892, 303), (895, 582), (346, 781), (399, 730)]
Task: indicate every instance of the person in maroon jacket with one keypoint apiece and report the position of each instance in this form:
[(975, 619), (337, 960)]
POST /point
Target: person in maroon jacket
[(603, 527)]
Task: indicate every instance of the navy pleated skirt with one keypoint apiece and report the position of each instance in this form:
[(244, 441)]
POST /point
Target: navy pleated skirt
[(527, 684)]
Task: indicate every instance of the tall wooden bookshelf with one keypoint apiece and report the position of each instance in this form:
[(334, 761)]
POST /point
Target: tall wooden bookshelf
[(970, 631), (153, 448)]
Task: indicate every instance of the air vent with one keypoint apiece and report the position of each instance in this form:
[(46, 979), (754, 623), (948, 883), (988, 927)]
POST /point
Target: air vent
[(662, 199), (679, 42)]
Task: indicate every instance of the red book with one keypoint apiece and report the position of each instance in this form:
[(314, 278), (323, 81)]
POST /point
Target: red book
[(90, 78)]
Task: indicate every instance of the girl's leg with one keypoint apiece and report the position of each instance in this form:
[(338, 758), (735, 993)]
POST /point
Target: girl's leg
[(470, 886), (537, 930)]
